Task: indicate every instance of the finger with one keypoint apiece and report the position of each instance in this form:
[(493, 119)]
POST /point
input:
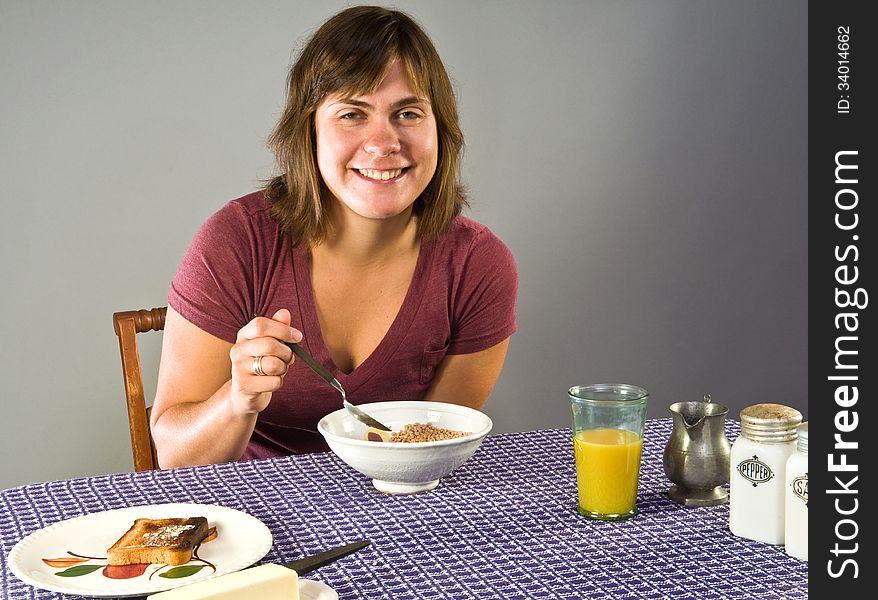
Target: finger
[(247, 381), (283, 315), (263, 346), (253, 386), (276, 356), (265, 327), (258, 384), (271, 365)]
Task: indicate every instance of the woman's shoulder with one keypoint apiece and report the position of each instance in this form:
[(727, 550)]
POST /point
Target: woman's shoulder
[(252, 205), (470, 245), (471, 234), (242, 222), (463, 228), (251, 210)]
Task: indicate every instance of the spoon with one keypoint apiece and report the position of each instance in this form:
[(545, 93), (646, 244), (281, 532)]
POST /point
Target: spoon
[(327, 376)]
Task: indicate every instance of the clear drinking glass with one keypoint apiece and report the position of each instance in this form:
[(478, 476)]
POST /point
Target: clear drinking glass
[(608, 421)]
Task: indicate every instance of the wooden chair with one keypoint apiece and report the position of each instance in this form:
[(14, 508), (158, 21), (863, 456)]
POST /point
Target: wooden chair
[(127, 325)]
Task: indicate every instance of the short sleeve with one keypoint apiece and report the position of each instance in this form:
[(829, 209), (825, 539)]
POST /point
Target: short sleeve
[(213, 286), (485, 300)]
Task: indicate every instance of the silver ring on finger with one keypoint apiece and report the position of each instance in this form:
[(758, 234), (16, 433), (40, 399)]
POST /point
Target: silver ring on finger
[(257, 365)]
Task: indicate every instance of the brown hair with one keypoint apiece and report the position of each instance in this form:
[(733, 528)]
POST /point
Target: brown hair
[(350, 53)]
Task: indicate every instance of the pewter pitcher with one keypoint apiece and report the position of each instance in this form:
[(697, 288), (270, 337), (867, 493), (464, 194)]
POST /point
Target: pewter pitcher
[(696, 456)]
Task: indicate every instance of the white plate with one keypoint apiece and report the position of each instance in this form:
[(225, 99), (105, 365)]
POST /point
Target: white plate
[(315, 590), (241, 541)]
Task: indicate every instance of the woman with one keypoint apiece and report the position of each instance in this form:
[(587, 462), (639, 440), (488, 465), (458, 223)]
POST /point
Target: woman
[(357, 251)]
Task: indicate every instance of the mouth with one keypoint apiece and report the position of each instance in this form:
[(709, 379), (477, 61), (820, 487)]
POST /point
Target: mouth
[(382, 174)]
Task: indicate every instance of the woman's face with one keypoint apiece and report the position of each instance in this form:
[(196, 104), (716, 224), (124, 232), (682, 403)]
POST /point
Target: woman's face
[(377, 152)]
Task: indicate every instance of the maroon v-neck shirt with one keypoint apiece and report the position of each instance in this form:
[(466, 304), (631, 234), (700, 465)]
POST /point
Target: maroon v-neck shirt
[(461, 300)]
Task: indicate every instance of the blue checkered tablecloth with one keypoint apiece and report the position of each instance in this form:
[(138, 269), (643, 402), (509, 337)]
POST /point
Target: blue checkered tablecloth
[(501, 526)]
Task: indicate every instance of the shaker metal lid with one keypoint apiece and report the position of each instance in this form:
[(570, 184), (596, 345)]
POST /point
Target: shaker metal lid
[(803, 430), (802, 443), (770, 422)]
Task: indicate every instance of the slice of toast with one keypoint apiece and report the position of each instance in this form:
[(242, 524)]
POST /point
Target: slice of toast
[(158, 541)]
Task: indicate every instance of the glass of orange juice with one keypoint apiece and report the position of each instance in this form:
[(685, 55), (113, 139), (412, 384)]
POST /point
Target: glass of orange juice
[(608, 420)]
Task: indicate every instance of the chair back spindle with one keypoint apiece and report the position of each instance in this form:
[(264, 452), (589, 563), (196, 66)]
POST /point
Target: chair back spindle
[(127, 325)]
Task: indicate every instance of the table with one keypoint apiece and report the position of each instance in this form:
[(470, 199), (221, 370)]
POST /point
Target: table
[(501, 526)]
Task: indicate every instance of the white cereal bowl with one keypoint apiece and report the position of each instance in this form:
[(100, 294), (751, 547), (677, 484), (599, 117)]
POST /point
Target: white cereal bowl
[(405, 467)]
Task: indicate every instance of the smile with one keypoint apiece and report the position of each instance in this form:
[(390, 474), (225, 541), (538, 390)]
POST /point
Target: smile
[(380, 175)]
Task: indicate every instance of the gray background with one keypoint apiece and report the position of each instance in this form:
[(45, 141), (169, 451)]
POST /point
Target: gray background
[(645, 162)]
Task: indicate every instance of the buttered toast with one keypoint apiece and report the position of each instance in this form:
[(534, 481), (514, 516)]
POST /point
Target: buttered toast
[(158, 541)]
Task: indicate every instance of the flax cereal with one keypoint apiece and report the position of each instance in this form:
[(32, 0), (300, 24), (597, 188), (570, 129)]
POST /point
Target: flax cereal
[(425, 432)]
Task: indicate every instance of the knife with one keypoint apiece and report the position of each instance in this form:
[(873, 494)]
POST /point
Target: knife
[(315, 561), (269, 581)]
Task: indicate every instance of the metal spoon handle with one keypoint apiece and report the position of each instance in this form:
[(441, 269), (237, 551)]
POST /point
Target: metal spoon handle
[(327, 376), (316, 367)]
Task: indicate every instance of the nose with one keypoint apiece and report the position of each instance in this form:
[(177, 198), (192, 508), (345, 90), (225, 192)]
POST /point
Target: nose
[(382, 140)]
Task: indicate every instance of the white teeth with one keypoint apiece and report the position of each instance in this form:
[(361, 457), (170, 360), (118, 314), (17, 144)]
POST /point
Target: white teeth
[(381, 175)]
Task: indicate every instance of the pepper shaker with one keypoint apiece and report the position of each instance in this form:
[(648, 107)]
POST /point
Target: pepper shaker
[(758, 471)]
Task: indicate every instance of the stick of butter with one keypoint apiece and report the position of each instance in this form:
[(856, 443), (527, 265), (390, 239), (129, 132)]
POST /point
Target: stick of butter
[(265, 582)]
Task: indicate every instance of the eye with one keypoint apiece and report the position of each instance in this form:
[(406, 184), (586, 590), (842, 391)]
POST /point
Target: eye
[(410, 115), (350, 116)]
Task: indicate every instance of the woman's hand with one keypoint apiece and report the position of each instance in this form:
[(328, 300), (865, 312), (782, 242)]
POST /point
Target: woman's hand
[(208, 394), (260, 347)]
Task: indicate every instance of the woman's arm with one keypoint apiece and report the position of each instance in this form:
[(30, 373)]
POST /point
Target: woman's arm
[(468, 379), (208, 396)]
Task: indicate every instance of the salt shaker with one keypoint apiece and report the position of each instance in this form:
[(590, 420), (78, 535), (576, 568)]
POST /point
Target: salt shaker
[(758, 471), (796, 498)]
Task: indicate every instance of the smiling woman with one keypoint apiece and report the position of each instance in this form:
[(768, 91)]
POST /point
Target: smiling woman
[(377, 151), (357, 249)]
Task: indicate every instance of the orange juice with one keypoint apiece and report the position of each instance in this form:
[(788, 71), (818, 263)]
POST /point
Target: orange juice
[(607, 467)]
